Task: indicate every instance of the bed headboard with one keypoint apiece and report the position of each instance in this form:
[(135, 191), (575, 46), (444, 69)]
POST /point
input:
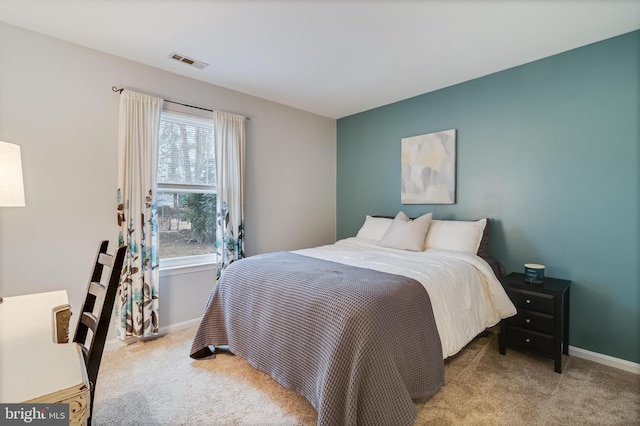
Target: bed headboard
[(483, 252)]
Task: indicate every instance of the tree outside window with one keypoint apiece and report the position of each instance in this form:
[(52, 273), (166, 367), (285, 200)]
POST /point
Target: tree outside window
[(186, 186)]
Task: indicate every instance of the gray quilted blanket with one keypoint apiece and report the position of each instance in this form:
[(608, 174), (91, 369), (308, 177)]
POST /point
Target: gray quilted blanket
[(357, 343)]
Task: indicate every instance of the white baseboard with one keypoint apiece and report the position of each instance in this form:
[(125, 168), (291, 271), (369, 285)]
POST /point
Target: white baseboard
[(618, 363), (117, 343)]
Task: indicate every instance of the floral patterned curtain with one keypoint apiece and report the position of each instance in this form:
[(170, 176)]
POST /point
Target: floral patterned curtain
[(139, 127), (229, 145)]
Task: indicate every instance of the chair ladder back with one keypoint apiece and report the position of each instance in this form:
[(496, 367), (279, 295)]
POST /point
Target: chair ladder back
[(98, 307), (103, 318), (91, 295), (107, 308)]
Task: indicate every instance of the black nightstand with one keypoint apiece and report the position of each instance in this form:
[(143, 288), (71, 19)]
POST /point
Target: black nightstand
[(542, 322)]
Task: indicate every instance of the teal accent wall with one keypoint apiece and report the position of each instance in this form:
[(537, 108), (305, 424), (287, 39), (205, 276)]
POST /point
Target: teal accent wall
[(550, 151)]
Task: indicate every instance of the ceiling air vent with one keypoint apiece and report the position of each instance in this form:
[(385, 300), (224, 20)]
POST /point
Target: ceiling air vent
[(189, 61)]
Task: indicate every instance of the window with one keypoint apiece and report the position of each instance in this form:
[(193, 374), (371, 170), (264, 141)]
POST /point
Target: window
[(186, 196)]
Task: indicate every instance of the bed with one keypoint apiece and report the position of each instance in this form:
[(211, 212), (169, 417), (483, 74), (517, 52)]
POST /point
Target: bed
[(361, 327)]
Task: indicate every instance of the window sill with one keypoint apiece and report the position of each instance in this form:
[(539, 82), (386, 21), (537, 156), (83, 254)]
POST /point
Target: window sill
[(167, 271)]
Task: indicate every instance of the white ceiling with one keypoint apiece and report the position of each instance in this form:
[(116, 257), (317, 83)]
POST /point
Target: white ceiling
[(334, 58)]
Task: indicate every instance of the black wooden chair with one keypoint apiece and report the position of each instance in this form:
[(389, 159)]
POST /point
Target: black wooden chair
[(93, 324)]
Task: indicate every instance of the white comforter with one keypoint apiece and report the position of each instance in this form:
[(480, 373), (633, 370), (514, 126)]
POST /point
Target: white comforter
[(465, 294)]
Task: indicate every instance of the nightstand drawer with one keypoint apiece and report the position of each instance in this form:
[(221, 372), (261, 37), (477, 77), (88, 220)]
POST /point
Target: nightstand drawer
[(533, 321), (530, 339), (525, 299)]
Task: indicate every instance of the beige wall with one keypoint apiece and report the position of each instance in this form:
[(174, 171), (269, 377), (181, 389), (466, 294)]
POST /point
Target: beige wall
[(56, 103)]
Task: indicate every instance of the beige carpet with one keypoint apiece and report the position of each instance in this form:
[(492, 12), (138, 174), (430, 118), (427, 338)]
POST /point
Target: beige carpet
[(156, 383)]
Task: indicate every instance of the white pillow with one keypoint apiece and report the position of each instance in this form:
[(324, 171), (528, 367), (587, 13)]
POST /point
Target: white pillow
[(374, 228), (455, 235), (407, 234)]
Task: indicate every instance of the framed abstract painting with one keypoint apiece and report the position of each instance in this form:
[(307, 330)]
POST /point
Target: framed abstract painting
[(428, 168)]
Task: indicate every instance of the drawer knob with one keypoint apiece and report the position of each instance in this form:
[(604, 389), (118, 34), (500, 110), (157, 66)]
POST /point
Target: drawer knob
[(527, 340), (528, 301), (528, 320)]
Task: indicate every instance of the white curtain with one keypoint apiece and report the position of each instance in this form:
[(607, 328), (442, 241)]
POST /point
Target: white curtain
[(139, 128), (229, 133)]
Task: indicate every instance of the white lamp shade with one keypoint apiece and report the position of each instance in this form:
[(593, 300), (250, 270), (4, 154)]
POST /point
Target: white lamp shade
[(11, 184)]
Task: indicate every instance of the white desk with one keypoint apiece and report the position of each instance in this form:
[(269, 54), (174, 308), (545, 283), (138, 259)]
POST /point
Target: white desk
[(33, 367)]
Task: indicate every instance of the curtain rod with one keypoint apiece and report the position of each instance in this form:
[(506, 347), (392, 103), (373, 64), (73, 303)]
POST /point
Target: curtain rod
[(115, 89)]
